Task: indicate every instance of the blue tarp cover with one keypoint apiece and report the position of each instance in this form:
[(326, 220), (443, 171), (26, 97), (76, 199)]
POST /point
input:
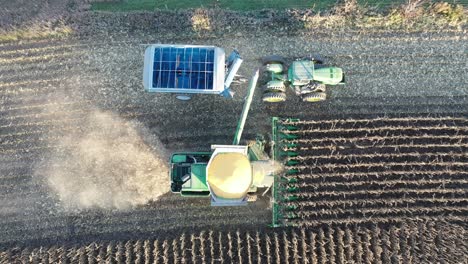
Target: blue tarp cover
[(183, 68)]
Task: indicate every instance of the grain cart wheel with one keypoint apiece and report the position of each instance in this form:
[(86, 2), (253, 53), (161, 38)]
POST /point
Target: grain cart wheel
[(275, 86), (273, 97), (184, 97), (314, 97)]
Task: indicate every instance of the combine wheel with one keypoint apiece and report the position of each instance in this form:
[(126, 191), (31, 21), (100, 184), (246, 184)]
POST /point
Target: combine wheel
[(273, 97), (275, 86), (314, 97)]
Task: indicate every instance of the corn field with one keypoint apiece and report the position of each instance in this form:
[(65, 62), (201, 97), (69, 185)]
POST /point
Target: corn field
[(375, 174), (406, 242), (374, 170)]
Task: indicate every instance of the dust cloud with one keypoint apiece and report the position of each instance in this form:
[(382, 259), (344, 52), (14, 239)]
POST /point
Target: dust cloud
[(109, 163), (264, 170), (268, 167)]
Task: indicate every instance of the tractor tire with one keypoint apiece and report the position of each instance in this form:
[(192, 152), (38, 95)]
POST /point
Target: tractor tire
[(273, 97), (274, 86), (322, 88), (313, 87), (317, 59), (314, 97), (273, 59)]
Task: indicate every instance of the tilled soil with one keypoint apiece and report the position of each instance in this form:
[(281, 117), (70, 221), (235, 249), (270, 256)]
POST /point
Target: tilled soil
[(49, 88)]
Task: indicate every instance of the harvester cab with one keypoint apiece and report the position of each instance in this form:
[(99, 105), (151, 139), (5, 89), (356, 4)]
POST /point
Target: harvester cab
[(229, 173), (186, 70), (306, 77)]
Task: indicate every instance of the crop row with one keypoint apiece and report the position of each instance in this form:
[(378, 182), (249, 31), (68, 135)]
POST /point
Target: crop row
[(405, 242), (379, 122), (376, 176), (379, 167), (383, 132), (336, 143), (382, 169), (370, 158)]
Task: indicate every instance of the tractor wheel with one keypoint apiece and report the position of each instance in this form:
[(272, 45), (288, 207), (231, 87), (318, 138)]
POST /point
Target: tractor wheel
[(274, 68), (273, 97), (314, 97), (273, 59), (275, 86), (320, 87), (317, 59), (313, 87)]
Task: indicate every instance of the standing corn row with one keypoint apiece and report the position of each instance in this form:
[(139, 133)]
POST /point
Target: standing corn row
[(381, 170)]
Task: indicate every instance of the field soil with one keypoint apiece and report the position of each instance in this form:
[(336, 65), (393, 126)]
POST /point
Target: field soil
[(75, 121)]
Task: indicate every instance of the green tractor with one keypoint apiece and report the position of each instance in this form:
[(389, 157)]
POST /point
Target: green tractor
[(306, 77), (229, 174)]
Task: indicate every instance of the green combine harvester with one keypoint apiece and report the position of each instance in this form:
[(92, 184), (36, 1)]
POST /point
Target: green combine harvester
[(306, 77), (229, 173)]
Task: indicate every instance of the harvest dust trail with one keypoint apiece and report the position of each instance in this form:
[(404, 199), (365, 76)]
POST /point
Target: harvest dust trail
[(109, 163)]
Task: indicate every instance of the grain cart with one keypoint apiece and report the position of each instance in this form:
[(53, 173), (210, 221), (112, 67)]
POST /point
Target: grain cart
[(228, 173), (306, 77), (189, 69)]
